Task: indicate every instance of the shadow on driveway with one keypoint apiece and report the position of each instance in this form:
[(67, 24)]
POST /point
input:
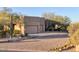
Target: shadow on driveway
[(37, 36), (48, 35)]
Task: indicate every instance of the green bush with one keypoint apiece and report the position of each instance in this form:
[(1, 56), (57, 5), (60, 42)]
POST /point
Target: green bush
[(62, 28), (1, 27), (50, 28), (16, 32), (2, 34), (1, 31)]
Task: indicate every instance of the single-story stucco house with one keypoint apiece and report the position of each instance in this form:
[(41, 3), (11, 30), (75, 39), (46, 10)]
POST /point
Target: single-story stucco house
[(34, 24)]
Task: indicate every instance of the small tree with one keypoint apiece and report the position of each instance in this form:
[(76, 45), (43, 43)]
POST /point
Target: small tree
[(73, 30), (57, 18)]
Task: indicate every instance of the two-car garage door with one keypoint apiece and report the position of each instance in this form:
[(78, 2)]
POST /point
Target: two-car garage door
[(32, 29)]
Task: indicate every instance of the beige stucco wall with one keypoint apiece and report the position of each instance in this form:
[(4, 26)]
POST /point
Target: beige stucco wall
[(34, 24), (17, 27)]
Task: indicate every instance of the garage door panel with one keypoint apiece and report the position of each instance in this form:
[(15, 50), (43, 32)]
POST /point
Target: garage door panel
[(32, 29)]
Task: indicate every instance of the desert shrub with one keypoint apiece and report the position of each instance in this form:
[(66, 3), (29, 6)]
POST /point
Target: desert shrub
[(1, 27), (74, 39), (2, 33), (16, 32), (72, 28)]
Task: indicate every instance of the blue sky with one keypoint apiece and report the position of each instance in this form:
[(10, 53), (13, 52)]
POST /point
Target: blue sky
[(72, 12)]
